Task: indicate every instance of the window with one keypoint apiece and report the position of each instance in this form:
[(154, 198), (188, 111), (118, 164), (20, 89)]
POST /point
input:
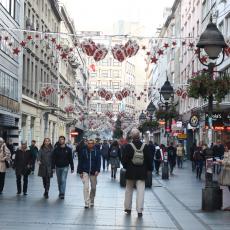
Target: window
[(116, 63), (36, 79), (116, 73), (116, 85), (28, 72), (8, 86), (104, 73), (227, 27), (105, 62)]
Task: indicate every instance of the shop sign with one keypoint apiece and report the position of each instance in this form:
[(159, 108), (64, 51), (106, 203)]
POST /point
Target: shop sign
[(182, 136), (218, 120), (194, 121)]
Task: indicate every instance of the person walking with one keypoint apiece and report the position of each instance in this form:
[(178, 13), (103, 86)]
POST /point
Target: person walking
[(192, 151), (105, 155), (61, 159), (158, 157), (34, 151), (224, 178), (23, 166), (45, 165), (180, 155), (4, 162), (199, 158), (152, 149), (89, 164), (171, 157), (137, 160), (114, 158)]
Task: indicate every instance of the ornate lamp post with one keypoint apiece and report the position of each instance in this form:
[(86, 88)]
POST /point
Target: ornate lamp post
[(166, 93), (212, 41), (142, 119), (151, 109)]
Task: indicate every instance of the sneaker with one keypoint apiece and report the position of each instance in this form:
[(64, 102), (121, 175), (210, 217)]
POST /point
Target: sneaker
[(86, 206), (62, 196), (140, 214), (25, 193), (127, 211), (18, 193), (1, 193), (46, 195), (91, 204)]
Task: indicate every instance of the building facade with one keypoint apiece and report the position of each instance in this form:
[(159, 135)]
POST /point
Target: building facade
[(49, 77), (11, 19)]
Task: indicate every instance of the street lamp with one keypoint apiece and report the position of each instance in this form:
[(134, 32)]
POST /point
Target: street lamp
[(166, 93), (212, 41), (142, 117), (151, 108)]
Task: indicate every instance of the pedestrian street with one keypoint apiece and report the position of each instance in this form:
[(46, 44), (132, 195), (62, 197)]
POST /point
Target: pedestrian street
[(172, 204)]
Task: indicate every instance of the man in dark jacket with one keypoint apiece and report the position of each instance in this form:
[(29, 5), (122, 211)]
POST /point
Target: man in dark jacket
[(105, 155), (61, 159), (171, 157), (34, 151), (137, 160), (23, 164), (89, 164)]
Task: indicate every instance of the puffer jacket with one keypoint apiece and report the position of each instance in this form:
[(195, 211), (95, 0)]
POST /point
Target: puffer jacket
[(4, 155), (89, 161)]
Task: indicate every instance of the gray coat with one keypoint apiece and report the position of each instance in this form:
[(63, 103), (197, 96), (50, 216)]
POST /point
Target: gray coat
[(45, 162)]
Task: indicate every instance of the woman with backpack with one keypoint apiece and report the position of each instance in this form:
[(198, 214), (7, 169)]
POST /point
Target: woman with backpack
[(158, 157), (114, 158)]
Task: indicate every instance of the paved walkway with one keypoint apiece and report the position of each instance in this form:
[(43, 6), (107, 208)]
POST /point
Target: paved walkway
[(173, 204)]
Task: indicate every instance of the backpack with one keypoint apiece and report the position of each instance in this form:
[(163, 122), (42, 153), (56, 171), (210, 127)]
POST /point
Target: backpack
[(138, 156), (170, 152), (158, 154), (114, 153)]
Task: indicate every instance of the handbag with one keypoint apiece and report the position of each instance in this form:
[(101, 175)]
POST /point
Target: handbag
[(224, 177), (7, 164)]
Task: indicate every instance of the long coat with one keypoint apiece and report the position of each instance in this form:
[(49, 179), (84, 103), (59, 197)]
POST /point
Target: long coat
[(134, 172), (45, 160), (23, 161), (225, 174), (4, 155)]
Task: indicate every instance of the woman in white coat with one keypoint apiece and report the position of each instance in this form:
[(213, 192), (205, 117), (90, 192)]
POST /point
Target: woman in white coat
[(4, 158)]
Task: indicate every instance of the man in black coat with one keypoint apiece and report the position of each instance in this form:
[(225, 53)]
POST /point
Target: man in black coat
[(171, 157), (137, 160), (62, 158), (23, 165)]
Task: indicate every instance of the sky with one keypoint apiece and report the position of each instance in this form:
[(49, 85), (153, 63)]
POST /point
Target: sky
[(100, 15)]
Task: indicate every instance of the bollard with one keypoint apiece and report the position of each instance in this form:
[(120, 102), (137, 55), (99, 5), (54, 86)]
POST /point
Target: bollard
[(165, 168)]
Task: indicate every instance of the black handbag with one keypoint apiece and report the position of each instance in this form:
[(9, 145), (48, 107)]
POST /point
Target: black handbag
[(7, 164)]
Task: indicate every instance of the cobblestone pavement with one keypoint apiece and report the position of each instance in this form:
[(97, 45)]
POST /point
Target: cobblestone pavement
[(172, 204)]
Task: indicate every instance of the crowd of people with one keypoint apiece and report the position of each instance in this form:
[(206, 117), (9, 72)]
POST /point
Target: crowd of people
[(137, 158)]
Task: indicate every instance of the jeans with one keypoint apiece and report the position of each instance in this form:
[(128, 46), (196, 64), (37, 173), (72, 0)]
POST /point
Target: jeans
[(25, 183), (89, 195), (199, 168), (172, 165), (179, 161), (2, 180), (157, 166), (104, 159), (140, 185), (61, 179)]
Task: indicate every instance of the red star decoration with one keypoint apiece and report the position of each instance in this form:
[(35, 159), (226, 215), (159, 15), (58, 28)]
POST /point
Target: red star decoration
[(36, 46), (62, 96), (154, 60), (183, 43), (37, 36), (53, 40), (64, 55), (10, 44), (191, 44), (6, 38), (138, 98), (174, 43), (148, 53), (166, 45), (160, 52), (197, 51), (58, 47), (71, 49), (143, 47), (23, 43), (46, 37), (204, 59), (16, 51), (29, 37)]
